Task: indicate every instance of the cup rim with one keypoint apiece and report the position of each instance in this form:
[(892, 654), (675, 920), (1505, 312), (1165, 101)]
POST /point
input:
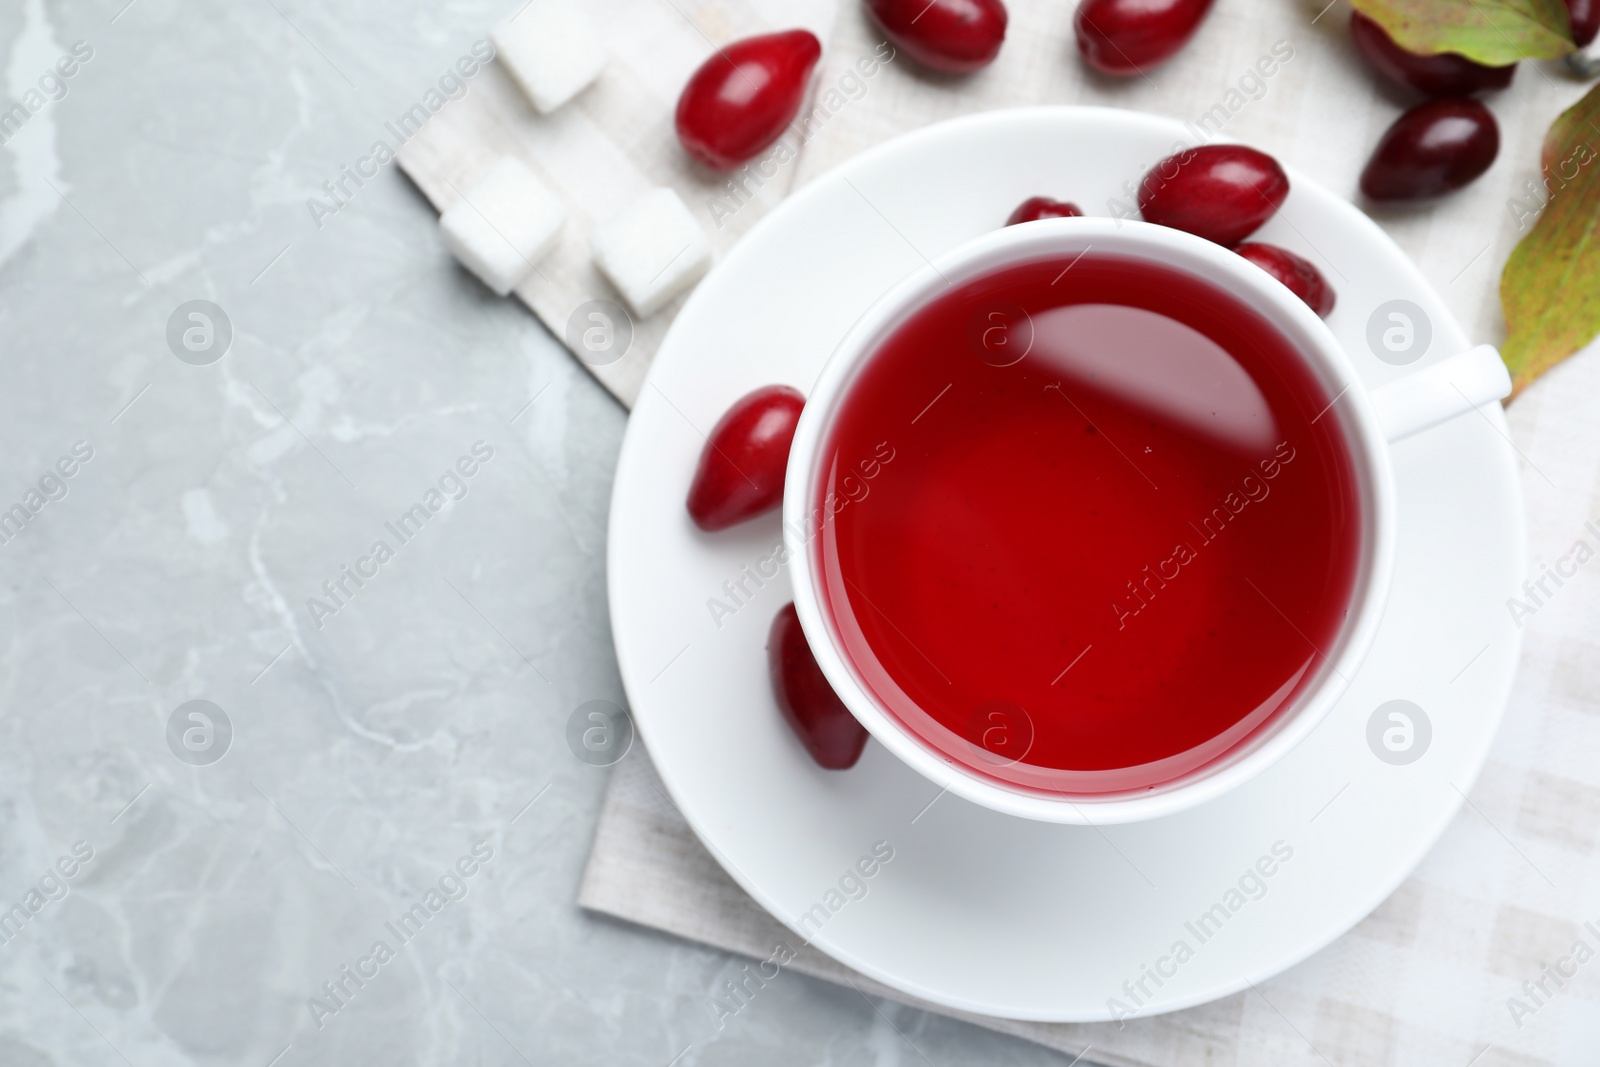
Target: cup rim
[(1215, 265)]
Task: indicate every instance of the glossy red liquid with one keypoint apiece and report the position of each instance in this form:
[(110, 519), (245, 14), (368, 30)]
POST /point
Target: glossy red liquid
[(1104, 564)]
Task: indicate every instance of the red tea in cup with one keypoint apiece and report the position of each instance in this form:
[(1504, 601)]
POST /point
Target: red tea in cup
[(1116, 530)]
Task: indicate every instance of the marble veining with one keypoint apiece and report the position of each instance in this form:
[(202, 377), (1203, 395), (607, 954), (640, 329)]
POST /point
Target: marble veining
[(235, 868)]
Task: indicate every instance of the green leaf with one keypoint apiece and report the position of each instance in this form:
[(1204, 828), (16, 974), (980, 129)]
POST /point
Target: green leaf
[(1495, 32), (1550, 289)]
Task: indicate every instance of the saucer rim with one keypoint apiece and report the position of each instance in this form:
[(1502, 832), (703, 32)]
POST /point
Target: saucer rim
[(635, 675)]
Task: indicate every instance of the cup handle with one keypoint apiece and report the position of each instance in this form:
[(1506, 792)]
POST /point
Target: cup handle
[(1440, 391)]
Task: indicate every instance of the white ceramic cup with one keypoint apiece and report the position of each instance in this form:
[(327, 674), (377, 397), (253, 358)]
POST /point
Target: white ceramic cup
[(1370, 422)]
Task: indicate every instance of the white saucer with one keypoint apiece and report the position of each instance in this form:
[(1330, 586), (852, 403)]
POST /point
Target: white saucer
[(984, 912)]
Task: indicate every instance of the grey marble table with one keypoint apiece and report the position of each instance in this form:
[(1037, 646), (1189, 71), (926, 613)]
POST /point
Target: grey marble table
[(191, 510)]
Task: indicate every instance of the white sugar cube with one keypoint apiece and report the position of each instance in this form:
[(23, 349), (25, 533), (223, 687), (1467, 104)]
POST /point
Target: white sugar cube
[(652, 250), (503, 224), (552, 49)]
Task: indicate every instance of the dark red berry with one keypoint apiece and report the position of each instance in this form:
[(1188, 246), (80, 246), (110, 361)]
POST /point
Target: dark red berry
[(1585, 18), (1042, 207), (832, 735), (955, 36), (1445, 74), (1303, 279), (1123, 37), (1220, 192), (745, 96), (1433, 148), (741, 468)]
